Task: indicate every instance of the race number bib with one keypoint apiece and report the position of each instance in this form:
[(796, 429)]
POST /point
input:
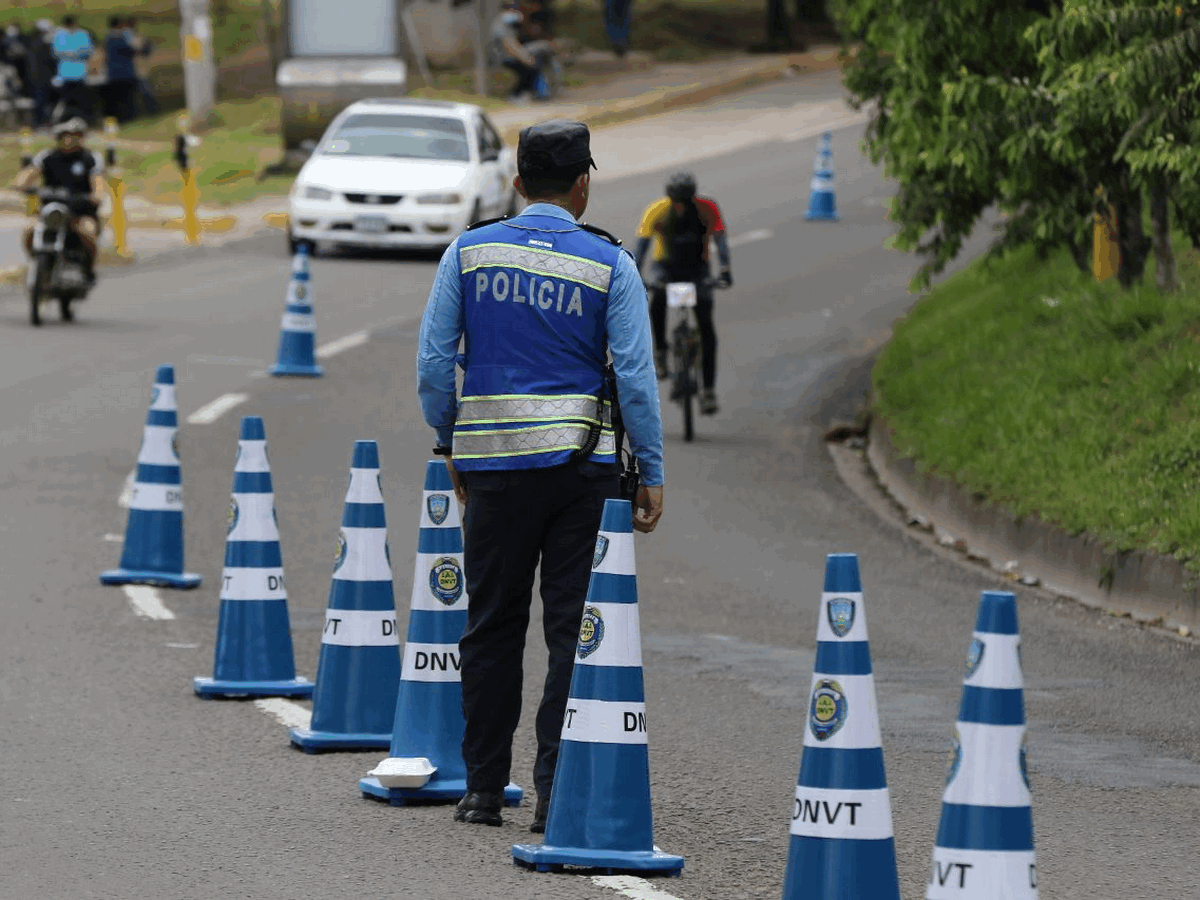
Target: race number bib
[(681, 294)]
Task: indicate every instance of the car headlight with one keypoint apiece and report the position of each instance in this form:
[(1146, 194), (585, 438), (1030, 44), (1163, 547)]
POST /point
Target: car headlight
[(312, 192), (440, 199)]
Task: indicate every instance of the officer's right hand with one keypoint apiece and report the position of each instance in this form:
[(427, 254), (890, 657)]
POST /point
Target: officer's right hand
[(460, 489), (648, 508)]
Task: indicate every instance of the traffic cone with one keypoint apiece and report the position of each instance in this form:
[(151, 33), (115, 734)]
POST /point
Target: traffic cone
[(253, 656), (842, 846), (822, 204), (984, 848), (599, 814), (298, 329), (153, 551), (425, 761), (358, 671)]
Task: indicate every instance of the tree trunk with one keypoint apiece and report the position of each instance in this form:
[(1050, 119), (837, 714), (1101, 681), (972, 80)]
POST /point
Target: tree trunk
[(812, 12), (779, 29), (1164, 256), (1135, 246)]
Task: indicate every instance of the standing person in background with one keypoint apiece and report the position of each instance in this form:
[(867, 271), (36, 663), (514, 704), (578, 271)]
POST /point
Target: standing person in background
[(618, 16), (73, 48), (142, 47), (122, 75), (41, 69)]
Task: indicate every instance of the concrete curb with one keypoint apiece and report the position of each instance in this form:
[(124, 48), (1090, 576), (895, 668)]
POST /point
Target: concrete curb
[(1148, 587)]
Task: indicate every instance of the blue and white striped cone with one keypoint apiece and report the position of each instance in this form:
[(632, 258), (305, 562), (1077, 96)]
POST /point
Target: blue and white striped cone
[(822, 203), (358, 671), (984, 848), (842, 845), (153, 552), (425, 761), (298, 328), (253, 656), (599, 814)]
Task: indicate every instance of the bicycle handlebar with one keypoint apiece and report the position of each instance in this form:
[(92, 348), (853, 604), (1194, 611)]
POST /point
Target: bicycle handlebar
[(708, 282)]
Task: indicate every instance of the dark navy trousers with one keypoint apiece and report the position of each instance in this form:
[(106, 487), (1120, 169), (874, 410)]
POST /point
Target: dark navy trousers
[(515, 521)]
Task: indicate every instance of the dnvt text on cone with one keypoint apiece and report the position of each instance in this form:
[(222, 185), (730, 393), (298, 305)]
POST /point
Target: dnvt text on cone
[(600, 814), (253, 655), (842, 846), (984, 848), (298, 328), (153, 551), (358, 671), (425, 762)]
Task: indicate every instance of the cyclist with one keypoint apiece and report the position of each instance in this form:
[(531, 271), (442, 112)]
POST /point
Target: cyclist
[(680, 226), (78, 170)]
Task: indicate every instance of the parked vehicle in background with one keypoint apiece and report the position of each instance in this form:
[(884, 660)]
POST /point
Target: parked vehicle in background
[(401, 173)]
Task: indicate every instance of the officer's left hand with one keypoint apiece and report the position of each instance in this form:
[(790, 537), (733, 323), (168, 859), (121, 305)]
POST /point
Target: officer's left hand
[(460, 489)]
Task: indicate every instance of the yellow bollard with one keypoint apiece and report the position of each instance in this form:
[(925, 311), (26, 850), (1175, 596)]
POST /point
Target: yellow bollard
[(190, 195), (1106, 252), (31, 200), (116, 190)]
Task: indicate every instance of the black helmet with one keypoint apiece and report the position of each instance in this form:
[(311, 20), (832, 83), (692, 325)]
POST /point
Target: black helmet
[(681, 186)]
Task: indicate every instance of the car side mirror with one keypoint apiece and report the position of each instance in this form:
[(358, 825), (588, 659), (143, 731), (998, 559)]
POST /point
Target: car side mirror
[(491, 155)]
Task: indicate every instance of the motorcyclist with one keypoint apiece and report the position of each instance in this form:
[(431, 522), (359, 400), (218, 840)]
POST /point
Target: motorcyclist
[(71, 167), (680, 226)]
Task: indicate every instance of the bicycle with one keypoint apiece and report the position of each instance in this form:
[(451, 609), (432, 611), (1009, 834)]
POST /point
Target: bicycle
[(684, 352)]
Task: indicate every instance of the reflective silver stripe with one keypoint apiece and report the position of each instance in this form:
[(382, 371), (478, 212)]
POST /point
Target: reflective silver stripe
[(526, 409), (539, 262), (527, 441)]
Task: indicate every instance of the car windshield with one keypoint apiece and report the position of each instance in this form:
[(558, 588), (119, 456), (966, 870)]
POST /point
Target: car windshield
[(403, 136)]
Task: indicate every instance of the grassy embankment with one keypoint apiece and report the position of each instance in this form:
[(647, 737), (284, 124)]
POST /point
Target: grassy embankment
[(1054, 396), (242, 137)]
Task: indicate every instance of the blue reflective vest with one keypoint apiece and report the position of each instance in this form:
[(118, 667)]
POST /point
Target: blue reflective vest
[(535, 302)]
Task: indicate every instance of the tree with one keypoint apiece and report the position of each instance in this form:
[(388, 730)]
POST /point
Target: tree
[(779, 29)]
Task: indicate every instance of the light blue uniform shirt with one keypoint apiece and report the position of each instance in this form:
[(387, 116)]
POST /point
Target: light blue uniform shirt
[(629, 342), (72, 50)]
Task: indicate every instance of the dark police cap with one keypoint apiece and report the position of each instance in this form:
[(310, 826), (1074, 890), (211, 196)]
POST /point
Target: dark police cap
[(557, 144)]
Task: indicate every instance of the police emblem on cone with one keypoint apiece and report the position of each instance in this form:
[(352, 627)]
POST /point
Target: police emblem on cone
[(253, 656), (425, 759), (153, 551), (984, 848), (842, 846), (600, 814), (297, 328), (358, 671)]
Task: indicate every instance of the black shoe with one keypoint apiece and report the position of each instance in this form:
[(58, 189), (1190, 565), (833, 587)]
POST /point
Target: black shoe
[(539, 815), (479, 808)]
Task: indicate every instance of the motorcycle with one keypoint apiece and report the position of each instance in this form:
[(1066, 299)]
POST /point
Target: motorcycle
[(58, 268)]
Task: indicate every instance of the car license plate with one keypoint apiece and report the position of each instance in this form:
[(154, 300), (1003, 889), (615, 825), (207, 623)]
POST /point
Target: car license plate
[(371, 224)]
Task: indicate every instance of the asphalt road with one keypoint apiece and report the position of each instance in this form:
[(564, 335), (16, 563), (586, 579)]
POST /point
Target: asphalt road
[(117, 781)]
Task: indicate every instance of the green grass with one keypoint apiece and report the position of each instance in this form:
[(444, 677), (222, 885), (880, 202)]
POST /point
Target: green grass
[(1039, 389)]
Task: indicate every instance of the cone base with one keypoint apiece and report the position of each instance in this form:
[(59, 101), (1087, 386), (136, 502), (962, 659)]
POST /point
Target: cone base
[(290, 369), (552, 859), (210, 687), (450, 791), (183, 580), (822, 217), (315, 741)]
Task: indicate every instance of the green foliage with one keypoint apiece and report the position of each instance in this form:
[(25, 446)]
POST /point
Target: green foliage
[(1030, 107)]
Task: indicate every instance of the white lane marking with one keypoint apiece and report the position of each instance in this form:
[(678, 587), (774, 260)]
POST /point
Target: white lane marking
[(760, 234), (343, 343), (126, 498), (634, 888), (147, 603), (114, 538), (287, 712), (183, 646), (210, 412)]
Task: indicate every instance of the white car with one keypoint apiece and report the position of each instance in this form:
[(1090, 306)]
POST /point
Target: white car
[(402, 173)]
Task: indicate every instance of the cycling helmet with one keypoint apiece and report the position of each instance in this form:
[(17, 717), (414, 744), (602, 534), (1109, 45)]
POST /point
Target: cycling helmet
[(74, 124), (681, 186)]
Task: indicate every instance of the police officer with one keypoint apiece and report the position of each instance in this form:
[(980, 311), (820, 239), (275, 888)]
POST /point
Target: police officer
[(539, 301)]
